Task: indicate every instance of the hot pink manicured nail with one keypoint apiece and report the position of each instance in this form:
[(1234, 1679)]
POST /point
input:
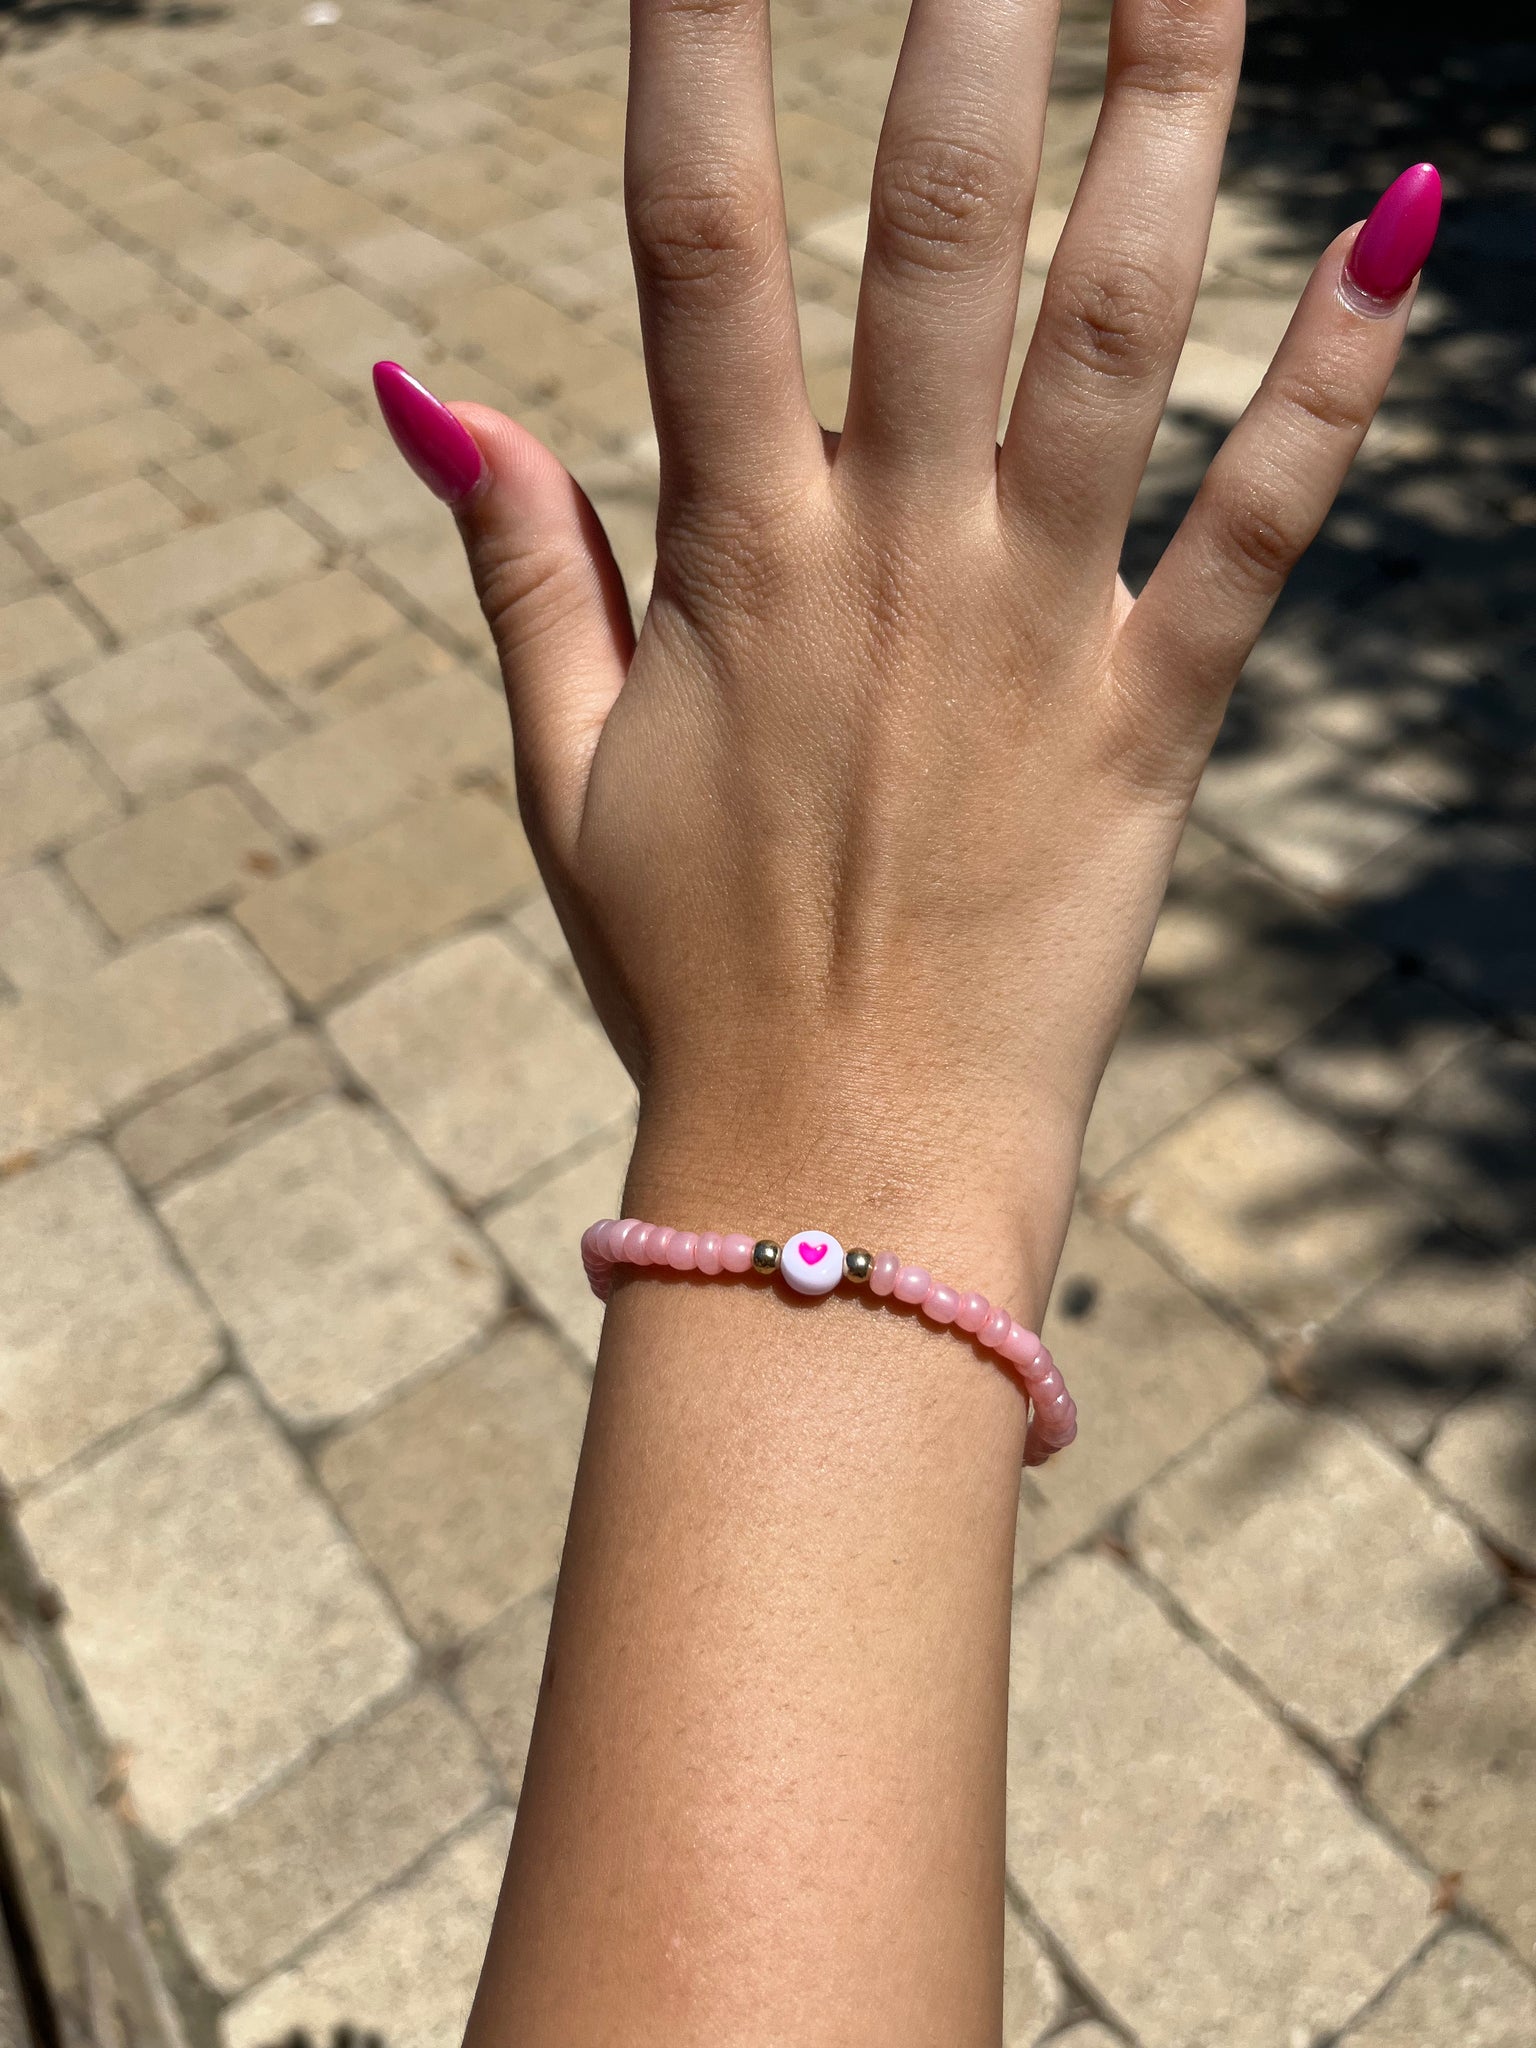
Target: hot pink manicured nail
[(1390, 249), (442, 453)]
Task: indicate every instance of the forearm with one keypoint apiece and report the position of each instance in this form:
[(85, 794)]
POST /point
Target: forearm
[(765, 1791)]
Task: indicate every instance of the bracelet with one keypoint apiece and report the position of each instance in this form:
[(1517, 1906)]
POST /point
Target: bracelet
[(812, 1262)]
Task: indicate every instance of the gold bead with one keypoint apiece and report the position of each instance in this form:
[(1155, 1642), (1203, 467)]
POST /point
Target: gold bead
[(858, 1265), (765, 1255)]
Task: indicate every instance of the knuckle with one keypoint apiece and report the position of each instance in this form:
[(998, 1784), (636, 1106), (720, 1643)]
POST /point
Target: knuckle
[(702, 237), (1116, 321), (1186, 50), (938, 206), (1260, 543), (1323, 402)]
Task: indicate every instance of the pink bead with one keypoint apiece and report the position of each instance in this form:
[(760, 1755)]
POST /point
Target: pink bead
[(660, 1244), (995, 1328), (707, 1258), (638, 1244), (736, 1253), (943, 1303), (972, 1312), (1020, 1346), (912, 1283), (620, 1238), (882, 1274), (683, 1251)]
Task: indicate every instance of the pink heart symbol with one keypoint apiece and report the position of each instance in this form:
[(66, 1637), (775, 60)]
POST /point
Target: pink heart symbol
[(813, 1254)]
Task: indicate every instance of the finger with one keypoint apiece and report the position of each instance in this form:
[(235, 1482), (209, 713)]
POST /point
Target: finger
[(1262, 502), (1122, 284), (546, 579), (949, 211), (706, 217)]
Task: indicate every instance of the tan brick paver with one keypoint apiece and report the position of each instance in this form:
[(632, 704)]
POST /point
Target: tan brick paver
[(302, 1107)]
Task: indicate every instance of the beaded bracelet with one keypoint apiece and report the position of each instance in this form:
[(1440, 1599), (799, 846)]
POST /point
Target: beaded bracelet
[(811, 1262)]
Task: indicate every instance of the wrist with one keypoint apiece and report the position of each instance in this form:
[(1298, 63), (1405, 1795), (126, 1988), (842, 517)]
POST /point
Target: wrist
[(979, 1195)]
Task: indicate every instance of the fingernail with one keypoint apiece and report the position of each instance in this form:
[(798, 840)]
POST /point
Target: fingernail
[(1391, 248), (442, 453)]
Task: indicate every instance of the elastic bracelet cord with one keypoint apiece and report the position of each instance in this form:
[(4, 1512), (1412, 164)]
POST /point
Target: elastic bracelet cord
[(813, 1262)]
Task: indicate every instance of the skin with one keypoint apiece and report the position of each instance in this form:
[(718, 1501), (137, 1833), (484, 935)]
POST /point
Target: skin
[(859, 846)]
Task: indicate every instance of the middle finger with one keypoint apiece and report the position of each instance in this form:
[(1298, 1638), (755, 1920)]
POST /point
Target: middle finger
[(949, 211)]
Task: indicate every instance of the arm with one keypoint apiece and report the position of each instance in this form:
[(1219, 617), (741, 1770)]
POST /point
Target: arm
[(859, 847)]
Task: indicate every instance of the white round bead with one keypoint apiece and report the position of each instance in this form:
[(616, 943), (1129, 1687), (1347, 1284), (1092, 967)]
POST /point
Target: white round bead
[(812, 1262)]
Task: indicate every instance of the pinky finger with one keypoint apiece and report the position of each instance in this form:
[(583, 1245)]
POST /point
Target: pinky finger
[(1272, 485)]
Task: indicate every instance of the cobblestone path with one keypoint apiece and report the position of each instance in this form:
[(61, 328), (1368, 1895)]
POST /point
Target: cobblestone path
[(302, 1109)]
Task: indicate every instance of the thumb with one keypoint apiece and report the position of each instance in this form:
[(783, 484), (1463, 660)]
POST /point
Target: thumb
[(547, 582)]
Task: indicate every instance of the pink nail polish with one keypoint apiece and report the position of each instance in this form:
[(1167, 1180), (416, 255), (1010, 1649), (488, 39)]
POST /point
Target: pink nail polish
[(1391, 248), (442, 453)]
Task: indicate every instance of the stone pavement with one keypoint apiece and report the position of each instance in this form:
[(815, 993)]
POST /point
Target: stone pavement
[(303, 1108)]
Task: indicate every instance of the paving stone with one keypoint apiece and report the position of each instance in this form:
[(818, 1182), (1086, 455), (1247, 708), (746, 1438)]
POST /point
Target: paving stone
[(220, 1619), (50, 381), (1249, 964), (1317, 1558), (339, 1267), (199, 571), (363, 680), (342, 332), (1364, 1062), (1468, 1138), (539, 1236), (379, 499), (459, 1489), (1460, 899), (1221, 1891), (167, 712), (1464, 1990), (1158, 1072), (1033, 1995), (498, 1682), (1151, 1368), (192, 853), (210, 1116), (1452, 1318), (1484, 1457), (403, 1966), (1269, 1209), (77, 1053), (435, 575), (70, 465), (49, 795), (22, 724), (1454, 1771), (248, 1890), (240, 264), (1307, 808), (486, 1064), (538, 929), (116, 521), (239, 399), (97, 1324), (38, 637), (333, 783), (178, 339), (439, 863), (307, 629), (45, 937)]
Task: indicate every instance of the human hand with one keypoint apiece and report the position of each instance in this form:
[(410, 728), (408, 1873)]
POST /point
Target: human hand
[(859, 845)]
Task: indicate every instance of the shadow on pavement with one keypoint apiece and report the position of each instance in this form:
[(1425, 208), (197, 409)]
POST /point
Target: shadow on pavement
[(1404, 648)]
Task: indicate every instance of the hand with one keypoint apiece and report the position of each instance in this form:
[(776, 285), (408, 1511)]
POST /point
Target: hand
[(860, 844)]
